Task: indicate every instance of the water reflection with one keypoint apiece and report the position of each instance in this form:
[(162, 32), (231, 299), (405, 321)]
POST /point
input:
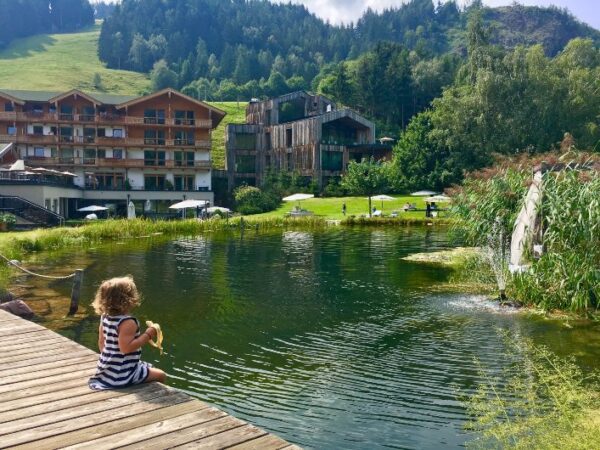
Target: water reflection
[(329, 339)]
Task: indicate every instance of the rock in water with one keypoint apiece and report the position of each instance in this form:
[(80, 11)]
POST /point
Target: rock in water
[(18, 308)]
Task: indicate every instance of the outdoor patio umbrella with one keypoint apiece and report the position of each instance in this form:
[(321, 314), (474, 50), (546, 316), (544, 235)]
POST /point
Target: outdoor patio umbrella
[(93, 208), (297, 198), (187, 204), (438, 199), (214, 209), (423, 193), (383, 198)]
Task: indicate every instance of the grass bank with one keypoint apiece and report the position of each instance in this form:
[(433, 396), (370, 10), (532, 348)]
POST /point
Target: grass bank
[(236, 113), (330, 208)]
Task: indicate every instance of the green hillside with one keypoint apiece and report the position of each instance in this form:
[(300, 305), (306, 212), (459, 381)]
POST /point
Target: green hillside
[(59, 62)]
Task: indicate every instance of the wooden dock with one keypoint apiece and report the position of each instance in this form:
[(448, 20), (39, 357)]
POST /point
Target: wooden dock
[(45, 402)]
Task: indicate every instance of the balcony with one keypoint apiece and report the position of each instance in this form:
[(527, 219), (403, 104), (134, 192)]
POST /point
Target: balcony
[(118, 163), (8, 115)]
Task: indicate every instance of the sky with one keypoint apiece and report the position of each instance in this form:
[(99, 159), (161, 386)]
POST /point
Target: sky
[(338, 11)]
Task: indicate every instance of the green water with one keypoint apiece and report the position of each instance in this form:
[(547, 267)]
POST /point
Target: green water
[(328, 339)]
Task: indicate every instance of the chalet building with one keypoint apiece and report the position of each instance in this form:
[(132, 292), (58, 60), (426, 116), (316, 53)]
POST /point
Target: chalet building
[(105, 149), (298, 132)]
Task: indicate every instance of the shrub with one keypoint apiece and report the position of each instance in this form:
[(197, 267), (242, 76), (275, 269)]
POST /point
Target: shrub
[(251, 200)]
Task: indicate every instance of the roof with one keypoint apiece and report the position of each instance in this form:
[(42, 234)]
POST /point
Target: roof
[(46, 96)]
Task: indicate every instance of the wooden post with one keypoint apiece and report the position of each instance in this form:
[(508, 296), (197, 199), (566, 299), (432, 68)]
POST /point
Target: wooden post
[(75, 291)]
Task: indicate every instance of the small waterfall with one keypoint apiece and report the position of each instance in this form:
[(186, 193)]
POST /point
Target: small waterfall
[(496, 252)]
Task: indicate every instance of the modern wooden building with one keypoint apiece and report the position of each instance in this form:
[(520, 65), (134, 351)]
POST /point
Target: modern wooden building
[(298, 132), (153, 148)]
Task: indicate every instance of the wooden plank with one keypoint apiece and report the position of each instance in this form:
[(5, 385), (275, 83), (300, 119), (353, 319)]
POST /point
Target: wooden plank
[(55, 379), (62, 433), (59, 402), (21, 378), (226, 439), (5, 342), (9, 347), (47, 397), (141, 435), (68, 361), (12, 336), (114, 404), (268, 442), (42, 389), (188, 434), (38, 349), (32, 359)]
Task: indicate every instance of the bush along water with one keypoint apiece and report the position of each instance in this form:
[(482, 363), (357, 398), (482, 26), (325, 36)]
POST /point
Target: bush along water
[(567, 275)]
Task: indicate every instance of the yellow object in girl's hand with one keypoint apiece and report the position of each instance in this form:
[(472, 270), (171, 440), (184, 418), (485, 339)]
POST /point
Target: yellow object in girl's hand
[(159, 335)]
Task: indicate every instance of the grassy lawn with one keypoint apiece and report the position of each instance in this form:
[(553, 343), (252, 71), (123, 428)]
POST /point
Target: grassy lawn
[(236, 113), (59, 62), (331, 208)]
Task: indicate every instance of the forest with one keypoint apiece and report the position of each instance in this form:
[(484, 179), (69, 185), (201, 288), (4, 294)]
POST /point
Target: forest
[(21, 18)]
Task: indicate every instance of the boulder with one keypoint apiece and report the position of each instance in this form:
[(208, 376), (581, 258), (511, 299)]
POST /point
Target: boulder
[(18, 308)]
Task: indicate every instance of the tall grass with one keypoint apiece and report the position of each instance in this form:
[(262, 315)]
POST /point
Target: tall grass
[(567, 276), (540, 402)]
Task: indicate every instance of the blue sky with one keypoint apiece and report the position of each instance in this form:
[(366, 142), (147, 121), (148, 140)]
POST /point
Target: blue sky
[(337, 11)]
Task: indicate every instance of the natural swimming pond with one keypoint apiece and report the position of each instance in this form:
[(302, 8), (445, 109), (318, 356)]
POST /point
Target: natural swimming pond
[(328, 338)]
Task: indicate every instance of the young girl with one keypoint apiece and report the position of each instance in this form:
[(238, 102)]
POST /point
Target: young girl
[(119, 339)]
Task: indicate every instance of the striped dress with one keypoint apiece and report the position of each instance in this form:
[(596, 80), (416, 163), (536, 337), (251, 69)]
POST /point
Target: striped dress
[(115, 369)]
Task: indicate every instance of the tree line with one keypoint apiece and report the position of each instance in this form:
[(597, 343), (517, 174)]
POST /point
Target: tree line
[(22, 18)]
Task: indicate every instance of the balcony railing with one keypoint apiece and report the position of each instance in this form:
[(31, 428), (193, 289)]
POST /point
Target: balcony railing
[(117, 162), (40, 116)]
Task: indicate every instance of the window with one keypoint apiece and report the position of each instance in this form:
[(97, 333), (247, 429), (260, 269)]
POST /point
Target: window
[(118, 132), (245, 141), (101, 153), (106, 181), (290, 162), (88, 113), (154, 137), (184, 117), (184, 138), (288, 137), (47, 203), (9, 107), (11, 130), (89, 156), (66, 155), (184, 159), (245, 164), (154, 182), (37, 108), (118, 153), (154, 158), (66, 112), (184, 182), (55, 205), (101, 132), (154, 116), (331, 161), (268, 141), (38, 130), (38, 152), (268, 117), (53, 152), (89, 135), (66, 134)]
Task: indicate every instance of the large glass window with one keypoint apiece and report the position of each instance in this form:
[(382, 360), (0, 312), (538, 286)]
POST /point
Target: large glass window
[(9, 107), (332, 161), (38, 130), (245, 141), (184, 117), (89, 156), (154, 158), (184, 182), (66, 134), (184, 138), (11, 130), (154, 137), (38, 152), (66, 112), (88, 113), (154, 116), (184, 159), (154, 182), (89, 135), (245, 164)]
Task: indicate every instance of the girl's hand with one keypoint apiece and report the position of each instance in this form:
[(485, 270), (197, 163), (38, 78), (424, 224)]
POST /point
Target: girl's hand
[(151, 331)]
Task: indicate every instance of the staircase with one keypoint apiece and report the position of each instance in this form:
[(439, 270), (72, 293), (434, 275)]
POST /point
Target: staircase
[(34, 215)]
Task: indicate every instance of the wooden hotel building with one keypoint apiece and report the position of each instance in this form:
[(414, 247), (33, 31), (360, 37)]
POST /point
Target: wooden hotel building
[(82, 148)]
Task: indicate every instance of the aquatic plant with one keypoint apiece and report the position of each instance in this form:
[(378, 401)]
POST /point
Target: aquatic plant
[(567, 275), (540, 401)]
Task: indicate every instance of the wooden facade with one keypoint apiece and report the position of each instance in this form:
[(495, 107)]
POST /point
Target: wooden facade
[(155, 142), (298, 132)]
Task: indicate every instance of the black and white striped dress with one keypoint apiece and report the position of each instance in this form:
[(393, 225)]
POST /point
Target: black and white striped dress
[(115, 369)]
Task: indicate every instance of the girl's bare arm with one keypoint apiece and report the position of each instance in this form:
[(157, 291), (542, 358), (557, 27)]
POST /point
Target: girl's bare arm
[(128, 343), (100, 338)]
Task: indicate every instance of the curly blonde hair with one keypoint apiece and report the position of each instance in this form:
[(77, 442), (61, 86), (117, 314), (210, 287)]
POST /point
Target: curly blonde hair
[(116, 296)]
